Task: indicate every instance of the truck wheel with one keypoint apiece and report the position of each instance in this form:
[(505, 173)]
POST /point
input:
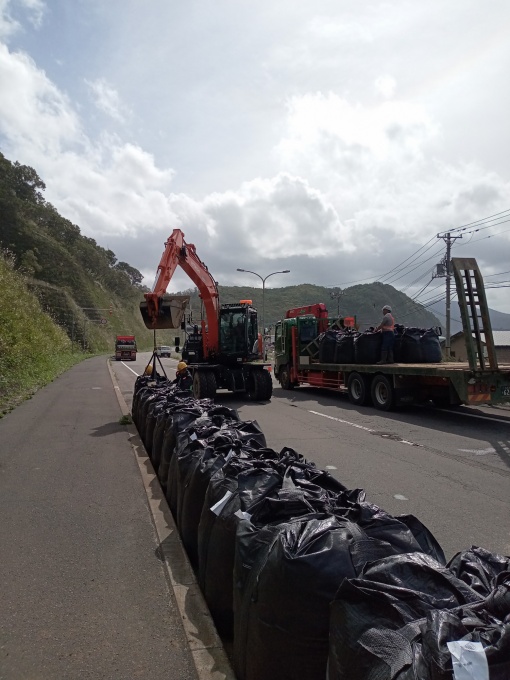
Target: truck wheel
[(204, 385), (358, 389), (383, 393), (284, 378), (260, 386)]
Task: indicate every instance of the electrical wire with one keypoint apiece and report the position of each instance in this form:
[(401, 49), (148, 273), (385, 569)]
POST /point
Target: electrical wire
[(482, 221)]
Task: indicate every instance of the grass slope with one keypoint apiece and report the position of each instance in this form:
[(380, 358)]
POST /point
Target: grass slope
[(33, 348)]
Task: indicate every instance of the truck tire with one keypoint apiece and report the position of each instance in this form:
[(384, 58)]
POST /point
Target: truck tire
[(358, 389), (204, 385), (284, 378), (383, 393), (259, 385)]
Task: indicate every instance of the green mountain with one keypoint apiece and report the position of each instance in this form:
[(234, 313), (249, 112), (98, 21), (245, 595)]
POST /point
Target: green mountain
[(362, 301)]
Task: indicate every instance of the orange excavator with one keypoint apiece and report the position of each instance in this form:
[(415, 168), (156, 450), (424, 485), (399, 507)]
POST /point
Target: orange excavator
[(224, 352)]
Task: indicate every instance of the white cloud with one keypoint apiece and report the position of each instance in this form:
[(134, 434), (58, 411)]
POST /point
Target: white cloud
[(9, 25), (353, 184), (107, 99), (386, 86)]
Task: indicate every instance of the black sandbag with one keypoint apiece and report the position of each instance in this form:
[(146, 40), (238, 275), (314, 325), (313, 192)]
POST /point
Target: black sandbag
[(155, 408), (189, 446), (479, 568), (399, 332), (217, 529), (182, 416), (367, 348), (374, 618), (218, 450), (430, 346), (410, 346), (428, 542), (285, 577), (162, 422), (344, 348), (327, 344)]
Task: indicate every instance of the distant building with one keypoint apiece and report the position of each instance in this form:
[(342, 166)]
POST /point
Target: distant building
[(501, 344)]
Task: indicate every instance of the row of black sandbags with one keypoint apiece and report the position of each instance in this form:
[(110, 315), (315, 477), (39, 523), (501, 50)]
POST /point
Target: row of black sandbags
[(412, 345), (273, 538)]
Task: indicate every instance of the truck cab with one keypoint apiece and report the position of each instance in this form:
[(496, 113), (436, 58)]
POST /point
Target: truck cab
[(125, 348)]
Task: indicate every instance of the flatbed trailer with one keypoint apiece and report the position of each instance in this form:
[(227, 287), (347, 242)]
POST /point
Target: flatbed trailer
[(479, 381)]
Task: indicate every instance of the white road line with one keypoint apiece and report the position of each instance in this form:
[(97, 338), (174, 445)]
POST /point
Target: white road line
[(399, 497), (129, 368), (345, 422), (472, 415)]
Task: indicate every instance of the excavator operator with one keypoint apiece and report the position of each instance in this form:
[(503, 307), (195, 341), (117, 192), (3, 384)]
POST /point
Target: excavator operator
[(184, 379)]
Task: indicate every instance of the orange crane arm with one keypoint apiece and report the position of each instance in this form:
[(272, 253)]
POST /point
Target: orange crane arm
[(178, 252)]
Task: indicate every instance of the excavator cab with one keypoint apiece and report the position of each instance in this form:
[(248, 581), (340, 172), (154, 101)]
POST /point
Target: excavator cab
[(164, 311), (238, 331)]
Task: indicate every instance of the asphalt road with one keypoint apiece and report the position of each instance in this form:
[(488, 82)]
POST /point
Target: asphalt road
[(449, 468), (84, 594)]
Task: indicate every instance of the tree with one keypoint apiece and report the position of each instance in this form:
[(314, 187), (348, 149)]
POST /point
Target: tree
[(134, 275)]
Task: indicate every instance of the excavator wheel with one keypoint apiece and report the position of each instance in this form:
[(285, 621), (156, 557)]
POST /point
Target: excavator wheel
[(260, 386), (204, 385)]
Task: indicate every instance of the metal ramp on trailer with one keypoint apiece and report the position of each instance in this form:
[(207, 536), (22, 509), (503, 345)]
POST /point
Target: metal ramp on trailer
[(474, 314)]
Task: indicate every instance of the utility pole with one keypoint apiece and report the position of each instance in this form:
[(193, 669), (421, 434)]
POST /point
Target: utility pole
[(449, 240), (336, 294)]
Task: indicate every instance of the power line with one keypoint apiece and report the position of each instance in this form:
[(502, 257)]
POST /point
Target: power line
[(484, 220)]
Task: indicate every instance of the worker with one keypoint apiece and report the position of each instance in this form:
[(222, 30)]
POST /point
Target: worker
[(184, 379), (387, 328), (238, 336)]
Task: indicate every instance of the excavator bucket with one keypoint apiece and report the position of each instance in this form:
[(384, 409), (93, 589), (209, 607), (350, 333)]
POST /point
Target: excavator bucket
[(163, 312)]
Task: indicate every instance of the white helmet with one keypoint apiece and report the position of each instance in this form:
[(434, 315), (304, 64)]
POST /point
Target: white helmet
[(386, 307)]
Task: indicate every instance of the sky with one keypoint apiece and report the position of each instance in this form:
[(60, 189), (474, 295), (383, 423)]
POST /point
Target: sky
[(333, 139)]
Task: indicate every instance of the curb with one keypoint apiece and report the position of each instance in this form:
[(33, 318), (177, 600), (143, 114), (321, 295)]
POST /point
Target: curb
[(207, 651)]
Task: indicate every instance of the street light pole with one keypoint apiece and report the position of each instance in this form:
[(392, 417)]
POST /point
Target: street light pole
[(263, 279)]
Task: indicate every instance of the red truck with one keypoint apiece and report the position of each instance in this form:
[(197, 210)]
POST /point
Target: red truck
[(125, 348)]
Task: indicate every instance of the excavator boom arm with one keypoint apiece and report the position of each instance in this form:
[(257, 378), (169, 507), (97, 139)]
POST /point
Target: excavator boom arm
[(178, 252)]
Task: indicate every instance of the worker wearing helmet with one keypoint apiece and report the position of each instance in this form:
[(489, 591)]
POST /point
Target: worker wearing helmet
[(184, 379), (387, 328)]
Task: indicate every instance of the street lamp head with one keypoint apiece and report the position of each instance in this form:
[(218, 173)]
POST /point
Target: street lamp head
[(240, 270), (286, 271)]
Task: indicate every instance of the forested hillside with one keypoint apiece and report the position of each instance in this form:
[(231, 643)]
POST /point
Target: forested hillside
[(363, 301), (76, 280)]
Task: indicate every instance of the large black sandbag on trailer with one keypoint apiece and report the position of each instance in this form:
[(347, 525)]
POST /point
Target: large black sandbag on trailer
[(344, 348), (285, 577), (410, 346), (367, 348), (399, 620), (327, 344), (430, 346)]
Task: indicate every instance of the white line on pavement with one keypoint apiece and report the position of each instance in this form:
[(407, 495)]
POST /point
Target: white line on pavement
[(129, 368), (345, 422)]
